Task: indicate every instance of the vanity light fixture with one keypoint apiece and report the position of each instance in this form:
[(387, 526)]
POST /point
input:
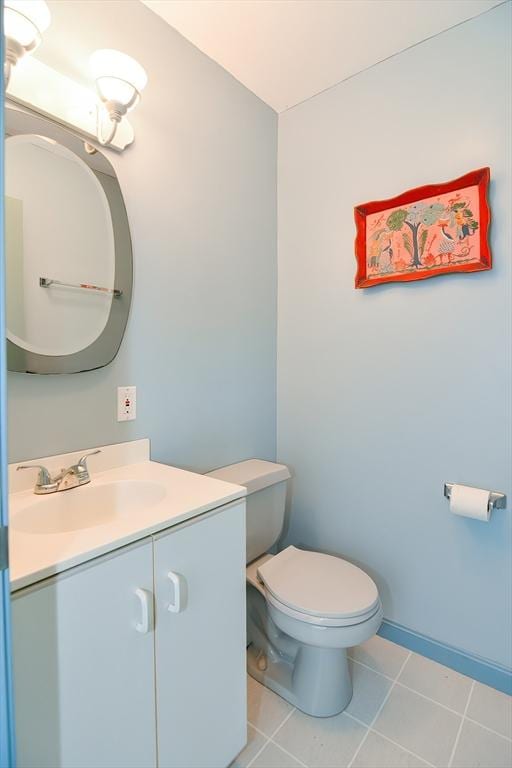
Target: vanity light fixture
[(24, 23), (119, 82)]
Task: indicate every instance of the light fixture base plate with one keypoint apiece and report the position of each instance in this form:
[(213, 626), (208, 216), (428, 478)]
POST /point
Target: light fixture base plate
[(46, 91)]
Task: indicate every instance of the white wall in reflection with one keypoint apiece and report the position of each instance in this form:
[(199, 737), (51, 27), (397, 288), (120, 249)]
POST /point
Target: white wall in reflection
[(58, 226)]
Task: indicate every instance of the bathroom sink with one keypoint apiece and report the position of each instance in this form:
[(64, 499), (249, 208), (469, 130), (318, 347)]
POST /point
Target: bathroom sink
[(128, 499), (87, 506)]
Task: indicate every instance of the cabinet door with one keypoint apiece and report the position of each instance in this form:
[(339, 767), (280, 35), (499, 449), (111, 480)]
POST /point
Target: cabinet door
[(200, 641), (84, 666)]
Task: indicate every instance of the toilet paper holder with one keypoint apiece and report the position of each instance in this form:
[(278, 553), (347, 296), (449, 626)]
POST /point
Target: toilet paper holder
[(496, 500)]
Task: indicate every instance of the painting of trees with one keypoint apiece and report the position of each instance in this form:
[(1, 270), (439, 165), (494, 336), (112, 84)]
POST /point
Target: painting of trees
[(424, 232), (413, 217)]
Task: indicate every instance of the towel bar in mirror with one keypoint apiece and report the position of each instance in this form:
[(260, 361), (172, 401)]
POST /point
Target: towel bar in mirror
[(66, 231)]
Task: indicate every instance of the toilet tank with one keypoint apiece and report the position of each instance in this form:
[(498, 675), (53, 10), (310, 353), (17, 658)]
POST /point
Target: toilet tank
[(266, 499)]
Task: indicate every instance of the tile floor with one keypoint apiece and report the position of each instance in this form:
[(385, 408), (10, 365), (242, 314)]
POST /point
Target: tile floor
[(406, 712)]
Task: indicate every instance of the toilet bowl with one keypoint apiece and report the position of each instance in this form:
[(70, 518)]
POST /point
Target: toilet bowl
[(304, 608), (315, 607)]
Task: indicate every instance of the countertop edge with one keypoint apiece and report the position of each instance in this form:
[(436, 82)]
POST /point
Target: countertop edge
[(35, 577)]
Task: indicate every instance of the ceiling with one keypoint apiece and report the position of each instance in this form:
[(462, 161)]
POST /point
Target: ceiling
[(286, 51)]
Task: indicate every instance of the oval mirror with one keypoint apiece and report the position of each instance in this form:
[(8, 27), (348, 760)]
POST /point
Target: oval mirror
[(68, 251)]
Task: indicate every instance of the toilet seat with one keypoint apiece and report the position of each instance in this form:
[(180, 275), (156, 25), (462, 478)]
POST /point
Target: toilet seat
[(319, 589), (320, 621)]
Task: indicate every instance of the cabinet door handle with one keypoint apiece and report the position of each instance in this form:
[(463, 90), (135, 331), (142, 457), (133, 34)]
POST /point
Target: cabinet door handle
[(146, 604), (180, 592)]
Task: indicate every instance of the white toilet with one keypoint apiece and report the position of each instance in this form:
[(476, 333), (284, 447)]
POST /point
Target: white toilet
[(304, 609)]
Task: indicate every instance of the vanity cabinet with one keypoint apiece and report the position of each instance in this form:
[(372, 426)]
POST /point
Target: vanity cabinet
[(200, 642), (83, 674), (137, 658)]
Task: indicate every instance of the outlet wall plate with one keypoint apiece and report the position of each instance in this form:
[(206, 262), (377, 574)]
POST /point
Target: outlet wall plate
[(126, 403)]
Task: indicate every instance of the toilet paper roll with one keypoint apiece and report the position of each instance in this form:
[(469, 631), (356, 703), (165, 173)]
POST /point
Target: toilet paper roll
[(470, 502)]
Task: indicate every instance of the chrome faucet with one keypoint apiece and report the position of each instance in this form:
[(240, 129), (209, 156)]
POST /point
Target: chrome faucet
[(44, 482), (75, 475)]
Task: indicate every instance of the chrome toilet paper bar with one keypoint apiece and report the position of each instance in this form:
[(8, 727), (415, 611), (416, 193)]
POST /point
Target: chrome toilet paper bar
[(496, 500)]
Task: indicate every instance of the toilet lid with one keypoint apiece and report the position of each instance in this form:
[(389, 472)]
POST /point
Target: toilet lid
[(318, 584)]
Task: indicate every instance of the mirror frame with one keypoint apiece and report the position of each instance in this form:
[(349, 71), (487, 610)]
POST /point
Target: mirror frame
[(104, 349)]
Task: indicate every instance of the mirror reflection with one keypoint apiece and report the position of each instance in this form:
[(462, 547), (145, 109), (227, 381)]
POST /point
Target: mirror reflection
[(68, 250), (59, 237)]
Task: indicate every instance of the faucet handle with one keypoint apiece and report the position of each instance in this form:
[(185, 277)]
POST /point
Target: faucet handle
[(82, 462), (80, 468), (44, 477)]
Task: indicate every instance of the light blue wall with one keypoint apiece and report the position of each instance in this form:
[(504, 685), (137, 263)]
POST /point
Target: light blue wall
[(200, 190), (384, 394), (7, 738)]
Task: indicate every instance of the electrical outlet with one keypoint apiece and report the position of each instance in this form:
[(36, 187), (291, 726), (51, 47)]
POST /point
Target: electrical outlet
[(126, 403)]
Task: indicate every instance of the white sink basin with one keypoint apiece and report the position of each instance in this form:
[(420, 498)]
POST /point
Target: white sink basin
[(129, 498), (87, 506)]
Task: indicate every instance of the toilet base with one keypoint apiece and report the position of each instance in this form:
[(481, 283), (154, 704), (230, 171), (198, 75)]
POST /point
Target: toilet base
[(303, 663), (317, 681)]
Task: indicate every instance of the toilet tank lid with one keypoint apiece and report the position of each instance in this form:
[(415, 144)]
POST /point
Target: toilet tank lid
[(254, 474)]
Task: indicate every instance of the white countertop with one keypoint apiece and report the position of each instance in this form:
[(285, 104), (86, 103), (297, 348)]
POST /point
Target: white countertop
[(184, 495)]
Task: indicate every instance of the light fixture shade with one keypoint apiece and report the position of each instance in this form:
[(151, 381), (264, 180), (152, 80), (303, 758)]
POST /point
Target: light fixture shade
[(25, 21), (119, 78)]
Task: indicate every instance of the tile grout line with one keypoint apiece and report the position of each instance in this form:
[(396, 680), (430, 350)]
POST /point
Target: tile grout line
[(261, 733), (282, 749), (386, 697), (279, 746), (459, 731), (490, 730), (354, 718), (429, 698), (372, 669), (283, 722), (391, 741), (269, 738), (413, 690), (454, 711), (404, 749), (260, 750), (358, 749)]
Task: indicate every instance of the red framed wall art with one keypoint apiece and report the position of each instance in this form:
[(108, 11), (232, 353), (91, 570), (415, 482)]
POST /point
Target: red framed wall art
[(428, 231)]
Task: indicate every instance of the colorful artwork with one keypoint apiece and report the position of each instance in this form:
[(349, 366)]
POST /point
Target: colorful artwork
[(424, 232)]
